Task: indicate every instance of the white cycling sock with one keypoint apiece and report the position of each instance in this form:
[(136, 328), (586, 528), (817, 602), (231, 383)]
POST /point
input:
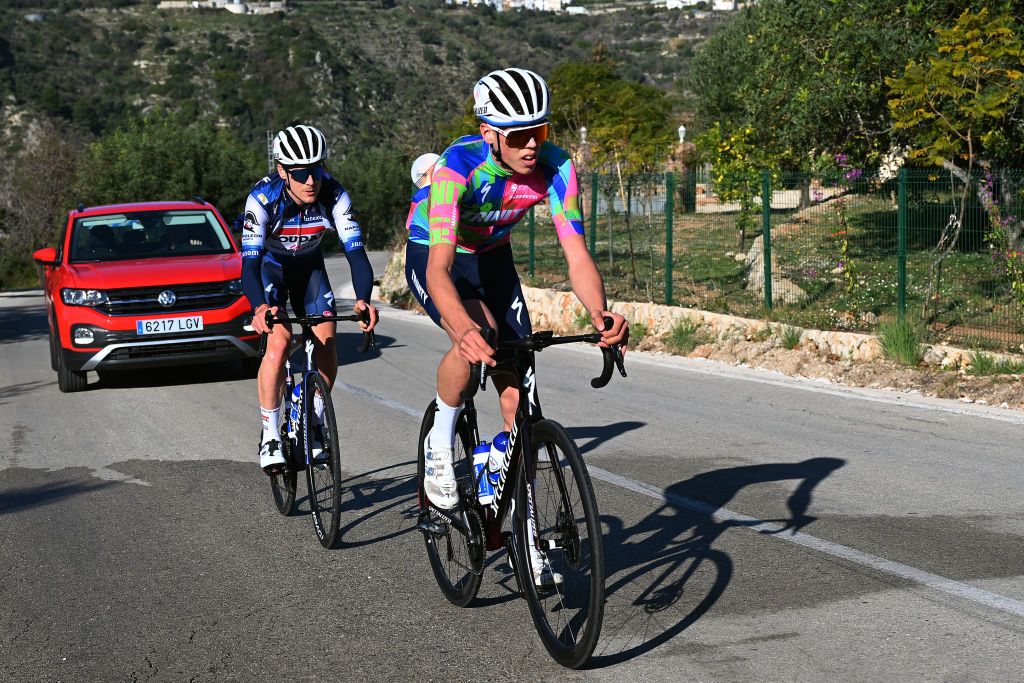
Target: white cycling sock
[(271, 423), (443, 431)]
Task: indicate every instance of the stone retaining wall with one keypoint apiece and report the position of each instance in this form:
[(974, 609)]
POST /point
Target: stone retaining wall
[(561, 312)]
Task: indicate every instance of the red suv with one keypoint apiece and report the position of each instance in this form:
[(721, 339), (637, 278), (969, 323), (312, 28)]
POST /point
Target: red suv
[(142, 285)]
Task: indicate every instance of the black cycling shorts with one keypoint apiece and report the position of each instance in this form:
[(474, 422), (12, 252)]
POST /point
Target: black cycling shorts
[(490, 277), (303, 283)]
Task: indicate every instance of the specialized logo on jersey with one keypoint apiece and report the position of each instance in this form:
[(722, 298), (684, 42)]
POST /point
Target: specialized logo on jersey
[(485, 190)]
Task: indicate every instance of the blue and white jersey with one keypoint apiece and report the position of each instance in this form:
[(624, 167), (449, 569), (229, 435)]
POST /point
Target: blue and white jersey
[(276, 231), (278, 227)]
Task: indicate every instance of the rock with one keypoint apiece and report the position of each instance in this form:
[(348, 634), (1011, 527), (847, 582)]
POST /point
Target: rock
[(740, 258)]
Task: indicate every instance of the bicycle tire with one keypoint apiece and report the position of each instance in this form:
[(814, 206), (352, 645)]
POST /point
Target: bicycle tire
[(324, 475), (458, 577), (283, 484), (567, 617)]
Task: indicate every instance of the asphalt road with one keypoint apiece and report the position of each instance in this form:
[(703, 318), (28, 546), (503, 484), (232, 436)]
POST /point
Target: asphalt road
[(756, 528)]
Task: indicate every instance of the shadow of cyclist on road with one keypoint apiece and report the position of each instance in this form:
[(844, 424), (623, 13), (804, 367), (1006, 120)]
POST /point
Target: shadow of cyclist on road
[(664, 573)]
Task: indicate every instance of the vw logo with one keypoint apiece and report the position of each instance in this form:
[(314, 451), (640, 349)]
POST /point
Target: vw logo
[(166, 298)]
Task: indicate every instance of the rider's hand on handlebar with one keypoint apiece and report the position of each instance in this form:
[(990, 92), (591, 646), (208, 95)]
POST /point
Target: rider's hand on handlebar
[(363, 306), (618, 333), (259, 318), (474, 349)]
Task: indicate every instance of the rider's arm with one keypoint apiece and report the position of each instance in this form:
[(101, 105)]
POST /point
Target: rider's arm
[(446, 190), (253, 230), (563, 195), (351, 237)]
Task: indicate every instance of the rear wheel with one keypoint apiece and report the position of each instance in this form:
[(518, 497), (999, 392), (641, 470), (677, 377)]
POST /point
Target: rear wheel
[(456, 554), (324, 472), (69, 381), (567, 530)]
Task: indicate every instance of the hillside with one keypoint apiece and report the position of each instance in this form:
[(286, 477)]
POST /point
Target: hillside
[(367, 72)]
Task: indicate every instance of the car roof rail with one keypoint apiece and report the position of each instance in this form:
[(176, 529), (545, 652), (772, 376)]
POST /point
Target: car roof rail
[(81, 206), (198, 199)]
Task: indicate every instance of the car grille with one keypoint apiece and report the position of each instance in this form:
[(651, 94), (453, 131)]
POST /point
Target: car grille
[(170, 350), (195, 297)]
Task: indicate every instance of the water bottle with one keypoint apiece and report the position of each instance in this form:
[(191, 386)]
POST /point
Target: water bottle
[(296, 401), (496, 457), (484, 492)]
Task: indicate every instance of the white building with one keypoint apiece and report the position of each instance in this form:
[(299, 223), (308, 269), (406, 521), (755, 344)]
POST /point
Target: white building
[(233, 6)]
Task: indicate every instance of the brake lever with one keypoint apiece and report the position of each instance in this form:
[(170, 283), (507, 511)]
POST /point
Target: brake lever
[(369, 340)]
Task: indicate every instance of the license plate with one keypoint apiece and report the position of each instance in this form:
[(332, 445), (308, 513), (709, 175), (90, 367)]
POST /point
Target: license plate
[(191, 323)]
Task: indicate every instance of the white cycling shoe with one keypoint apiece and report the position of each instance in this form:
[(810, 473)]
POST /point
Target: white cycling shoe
[(271, 456), (439, 477), (544, 577)]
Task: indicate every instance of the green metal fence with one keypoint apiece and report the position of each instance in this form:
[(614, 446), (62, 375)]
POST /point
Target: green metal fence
[(829, 253)]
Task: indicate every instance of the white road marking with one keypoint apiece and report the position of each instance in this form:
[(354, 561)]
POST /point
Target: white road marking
[(940, 583), (963, 590)]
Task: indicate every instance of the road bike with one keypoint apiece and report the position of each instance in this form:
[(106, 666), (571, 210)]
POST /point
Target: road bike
[(550, 500), (309, 423)]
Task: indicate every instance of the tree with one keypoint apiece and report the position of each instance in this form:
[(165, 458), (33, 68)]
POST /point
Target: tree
[(961, 106), (629, 126), (34, 198), (810, 75), (162, 156)]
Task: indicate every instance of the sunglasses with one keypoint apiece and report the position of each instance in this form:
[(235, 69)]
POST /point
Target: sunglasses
[(520, 137), (302, 174)]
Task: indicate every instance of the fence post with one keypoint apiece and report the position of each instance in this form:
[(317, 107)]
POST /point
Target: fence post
[(901, 243), (690, 196), (593, 214), (670, 191), (766, 230), (533, 234)]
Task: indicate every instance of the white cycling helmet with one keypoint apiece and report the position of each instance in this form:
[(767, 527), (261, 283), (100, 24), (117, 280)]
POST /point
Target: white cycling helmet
[(511, 97), (421, 166), (300, 146)]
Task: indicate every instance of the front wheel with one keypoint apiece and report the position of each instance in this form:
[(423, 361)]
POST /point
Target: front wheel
[(456, 555), (558, 533), (320, 436), (283, 483), (69, 381)]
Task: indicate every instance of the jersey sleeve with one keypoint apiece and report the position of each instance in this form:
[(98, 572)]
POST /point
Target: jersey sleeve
[(350, 234), (447, 186), (564, 194), (254, 229)]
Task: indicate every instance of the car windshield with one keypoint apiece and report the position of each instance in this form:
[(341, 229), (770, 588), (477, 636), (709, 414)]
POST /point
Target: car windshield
[(147, 234)]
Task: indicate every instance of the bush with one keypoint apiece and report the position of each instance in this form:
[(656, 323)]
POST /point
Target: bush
[(790, 337), (684, 337), (983, 364), (901, 341)]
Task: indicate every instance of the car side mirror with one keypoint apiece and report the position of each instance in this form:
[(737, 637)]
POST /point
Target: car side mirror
[(46, 256)]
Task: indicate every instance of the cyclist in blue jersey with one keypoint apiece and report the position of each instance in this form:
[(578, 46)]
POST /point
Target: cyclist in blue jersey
[(459, 260), (286, 217)]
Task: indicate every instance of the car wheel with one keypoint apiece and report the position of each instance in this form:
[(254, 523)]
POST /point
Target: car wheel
[(69, 381), (53, 352)]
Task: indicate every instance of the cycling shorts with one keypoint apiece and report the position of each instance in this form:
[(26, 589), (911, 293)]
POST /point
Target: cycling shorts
[(490, 277), (303, 283)]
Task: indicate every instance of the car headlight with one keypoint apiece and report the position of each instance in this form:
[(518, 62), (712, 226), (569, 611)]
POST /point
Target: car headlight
[(234, 286), (83, 297)]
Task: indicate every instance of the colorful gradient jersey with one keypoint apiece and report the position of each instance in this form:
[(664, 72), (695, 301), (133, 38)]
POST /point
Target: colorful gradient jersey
[(474, 203)]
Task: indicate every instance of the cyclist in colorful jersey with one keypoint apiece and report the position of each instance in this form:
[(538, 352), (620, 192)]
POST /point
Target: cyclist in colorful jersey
[(459, 263), (286, 217)]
